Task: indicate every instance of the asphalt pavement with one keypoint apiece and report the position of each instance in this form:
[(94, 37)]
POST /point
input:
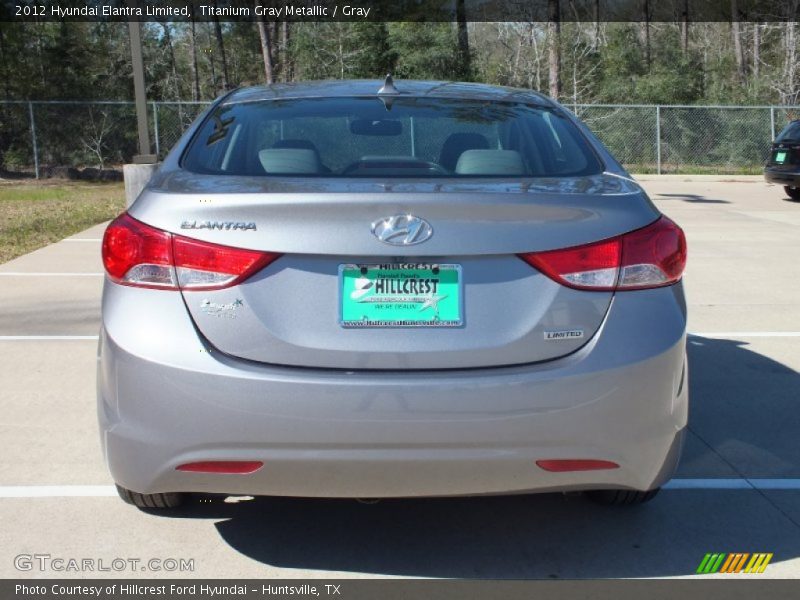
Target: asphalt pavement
[(737, 489)]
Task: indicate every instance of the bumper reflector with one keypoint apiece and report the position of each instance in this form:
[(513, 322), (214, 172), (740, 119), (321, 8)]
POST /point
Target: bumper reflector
[(572, 464), (236, 467)]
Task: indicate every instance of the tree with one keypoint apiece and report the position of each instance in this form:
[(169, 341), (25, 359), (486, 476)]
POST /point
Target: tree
[(94, 139), (194, 68), (221, 46), (581, 64), (171, 59), (685, 27), (787, 85), (266, 49), (287, 65), (646, 32), (322, 50), (756, 50), (464, 56), (554, 48), (425, 51), (738, 52)]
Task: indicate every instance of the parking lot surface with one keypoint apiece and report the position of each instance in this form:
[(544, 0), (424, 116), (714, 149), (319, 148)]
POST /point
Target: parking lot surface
[(737, 490)]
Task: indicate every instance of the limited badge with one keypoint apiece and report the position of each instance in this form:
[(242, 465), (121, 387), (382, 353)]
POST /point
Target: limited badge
[(572, 334)]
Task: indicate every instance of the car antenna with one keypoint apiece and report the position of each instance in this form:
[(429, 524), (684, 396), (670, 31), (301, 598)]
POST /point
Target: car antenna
[(387, 91), (388, 87)]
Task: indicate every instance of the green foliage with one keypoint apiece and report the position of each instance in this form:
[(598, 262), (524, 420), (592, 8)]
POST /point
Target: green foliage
[(604, 62), (600, 63), (332, 50), (426, 51), (673, 78)]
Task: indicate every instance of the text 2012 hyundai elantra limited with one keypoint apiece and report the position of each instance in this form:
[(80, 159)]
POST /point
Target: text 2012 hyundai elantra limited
[(366, 289)]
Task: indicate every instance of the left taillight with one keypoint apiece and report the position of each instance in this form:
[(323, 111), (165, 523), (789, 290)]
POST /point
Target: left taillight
[(139, 255)]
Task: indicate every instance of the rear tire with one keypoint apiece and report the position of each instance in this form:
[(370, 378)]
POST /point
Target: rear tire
[(792, 192), (621, 497), (166, 500)]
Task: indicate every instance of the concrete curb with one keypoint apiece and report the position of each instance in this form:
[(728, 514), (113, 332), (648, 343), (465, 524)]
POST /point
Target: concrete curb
[(699, 178)]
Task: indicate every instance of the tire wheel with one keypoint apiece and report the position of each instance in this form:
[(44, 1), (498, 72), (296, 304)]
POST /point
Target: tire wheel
[(621, 497), (792, 192), (168, 500)]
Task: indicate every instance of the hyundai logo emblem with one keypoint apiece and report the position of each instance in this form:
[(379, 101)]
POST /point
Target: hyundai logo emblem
[(402, 230)]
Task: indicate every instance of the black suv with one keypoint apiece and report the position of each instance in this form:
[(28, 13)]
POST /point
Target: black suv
[(783, 166)]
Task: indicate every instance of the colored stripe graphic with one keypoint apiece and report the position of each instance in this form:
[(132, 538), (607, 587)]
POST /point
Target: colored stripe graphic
[(704, 563), (729, 561), (759, 562), (740, 564), (734, 562), (711, 563), (716, 565)]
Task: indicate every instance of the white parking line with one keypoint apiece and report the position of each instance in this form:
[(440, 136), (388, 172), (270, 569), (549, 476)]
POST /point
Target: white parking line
[(741, 334), (714, 484), (37, 338), (57, 491), (733, 484), (102, 491), (26, 274)]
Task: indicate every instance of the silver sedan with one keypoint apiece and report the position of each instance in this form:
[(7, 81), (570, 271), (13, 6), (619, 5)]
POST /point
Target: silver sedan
[(375, 289)]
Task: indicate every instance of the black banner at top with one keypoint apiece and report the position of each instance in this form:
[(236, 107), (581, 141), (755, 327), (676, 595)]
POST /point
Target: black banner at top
[(400, 10)]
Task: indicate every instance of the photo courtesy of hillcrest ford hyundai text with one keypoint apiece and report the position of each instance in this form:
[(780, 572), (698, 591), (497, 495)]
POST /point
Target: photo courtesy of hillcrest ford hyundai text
[(378, 288)]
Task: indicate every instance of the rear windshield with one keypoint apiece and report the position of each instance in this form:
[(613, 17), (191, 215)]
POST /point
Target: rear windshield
[(401, 137), (790, 133)]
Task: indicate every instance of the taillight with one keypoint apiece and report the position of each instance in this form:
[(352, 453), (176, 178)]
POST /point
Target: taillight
[(201, 265), (135, 254), (653, 256), (143, 256)]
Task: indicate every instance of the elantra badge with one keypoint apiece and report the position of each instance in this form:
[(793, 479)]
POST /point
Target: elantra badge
[(222, 225), (402, 230)]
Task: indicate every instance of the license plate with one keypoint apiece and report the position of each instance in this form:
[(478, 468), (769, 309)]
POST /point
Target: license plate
[(780, 157), (401, 295)]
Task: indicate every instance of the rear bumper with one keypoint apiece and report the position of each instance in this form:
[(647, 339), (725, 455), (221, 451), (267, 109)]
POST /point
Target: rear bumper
[(165, 398), (778, 177)]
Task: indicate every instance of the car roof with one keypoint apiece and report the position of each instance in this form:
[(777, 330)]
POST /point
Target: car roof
[(370, 87)]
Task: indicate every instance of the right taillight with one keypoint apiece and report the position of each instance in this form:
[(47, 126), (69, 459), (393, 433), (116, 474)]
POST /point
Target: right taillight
[(653, 256), (139, 255)]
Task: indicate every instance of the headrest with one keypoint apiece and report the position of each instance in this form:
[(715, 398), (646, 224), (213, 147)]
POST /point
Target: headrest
[(490, 162), (289, 160), (294, 143)]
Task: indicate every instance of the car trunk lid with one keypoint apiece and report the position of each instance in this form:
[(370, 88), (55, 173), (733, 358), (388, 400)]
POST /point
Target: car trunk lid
[(291, 312)]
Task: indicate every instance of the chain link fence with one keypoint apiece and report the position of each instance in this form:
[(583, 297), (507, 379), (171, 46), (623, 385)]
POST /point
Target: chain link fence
[(687, 139), (38, 136)]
